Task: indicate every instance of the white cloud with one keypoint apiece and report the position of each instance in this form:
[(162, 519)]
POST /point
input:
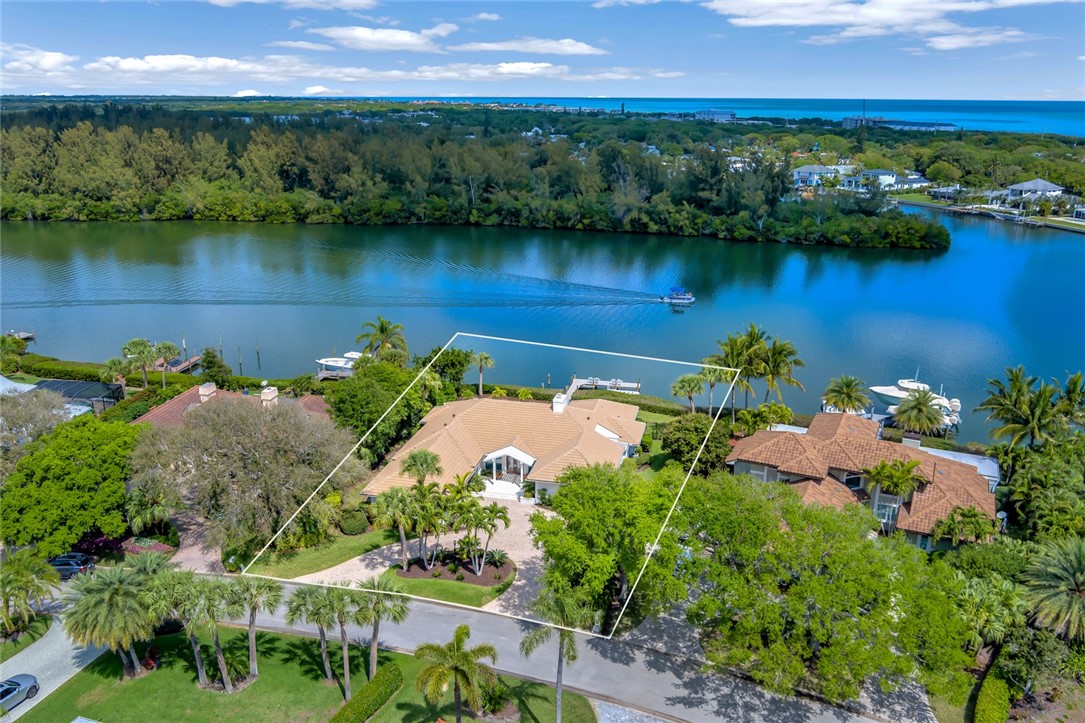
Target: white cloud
[(543, 46), (623, 3), (311, 4), (668, 74), (317, 90), (18, 58), (486, 17), (384, 39), (247, 93), (301, 45), (859, 19)]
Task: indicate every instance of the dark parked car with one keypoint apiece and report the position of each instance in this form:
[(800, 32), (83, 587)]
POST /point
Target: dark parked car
[(72, 563), (16, 689)]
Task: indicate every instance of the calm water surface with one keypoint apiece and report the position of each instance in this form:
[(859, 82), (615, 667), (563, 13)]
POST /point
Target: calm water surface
[(1001, 295)]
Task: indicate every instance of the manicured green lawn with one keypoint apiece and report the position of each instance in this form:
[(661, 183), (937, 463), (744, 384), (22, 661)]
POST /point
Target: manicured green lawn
[(24, 378), (291, 687), (919, 198), (38, 627), (650, 417), (336, 550), (946, 712), (449, 590)]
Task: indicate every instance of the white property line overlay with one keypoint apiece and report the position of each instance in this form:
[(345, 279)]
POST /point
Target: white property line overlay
[(651, 552)]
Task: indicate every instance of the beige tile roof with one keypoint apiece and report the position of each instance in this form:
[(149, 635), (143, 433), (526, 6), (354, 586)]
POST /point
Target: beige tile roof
[(850, 443), (171, 413), (464, 431)]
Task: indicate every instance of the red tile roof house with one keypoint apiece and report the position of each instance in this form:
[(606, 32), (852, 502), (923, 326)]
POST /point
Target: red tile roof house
[(171, 413), (824, 466)]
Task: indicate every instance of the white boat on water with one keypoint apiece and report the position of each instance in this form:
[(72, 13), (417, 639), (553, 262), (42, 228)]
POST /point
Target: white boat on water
[(678, 297), (894, 395), (950, 417), (343, 363)]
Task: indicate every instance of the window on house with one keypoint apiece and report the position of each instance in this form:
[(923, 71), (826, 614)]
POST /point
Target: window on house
[(758, 472), (853, 481), (886, 512)]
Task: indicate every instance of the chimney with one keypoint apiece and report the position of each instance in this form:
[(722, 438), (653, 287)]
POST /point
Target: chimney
[(561, 400), (269, 396), (207, 390), (911, 439)]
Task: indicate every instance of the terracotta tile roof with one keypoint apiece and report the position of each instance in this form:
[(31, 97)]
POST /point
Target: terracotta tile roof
[(849, 443), (829, 492), (464, 431), (171, 413)]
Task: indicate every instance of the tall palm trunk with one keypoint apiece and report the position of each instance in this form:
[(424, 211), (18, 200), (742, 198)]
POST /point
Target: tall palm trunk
[(125, 663), (254, 669), (459, 702), (403, 545), (328, 675), (480, 381), (711, 387), (557, 687), (201, 672), (143, 368), (227, 684), (136, 667), (373, 648), (346, 659)]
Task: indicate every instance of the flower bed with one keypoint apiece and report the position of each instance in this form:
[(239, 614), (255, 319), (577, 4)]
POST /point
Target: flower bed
[(137, 545)]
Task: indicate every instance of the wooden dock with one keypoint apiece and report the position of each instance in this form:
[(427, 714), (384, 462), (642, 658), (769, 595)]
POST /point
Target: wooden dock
[(323, 374), (177, 365), (610, 385)]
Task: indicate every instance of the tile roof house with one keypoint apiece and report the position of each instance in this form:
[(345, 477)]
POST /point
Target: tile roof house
[(510, 442), (825, 466), (171, 414)]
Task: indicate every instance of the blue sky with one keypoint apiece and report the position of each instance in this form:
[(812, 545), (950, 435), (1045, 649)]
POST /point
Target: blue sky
[(953, 49)]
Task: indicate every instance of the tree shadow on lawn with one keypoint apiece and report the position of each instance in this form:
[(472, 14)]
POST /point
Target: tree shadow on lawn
[(305, 653), (524, 693)]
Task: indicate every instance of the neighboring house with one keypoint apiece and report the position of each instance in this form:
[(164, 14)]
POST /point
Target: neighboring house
[(812, 175), (71, 408), (1035, 189), (825, 466), (171, 414), (510, 442), (946, 193), (1079, 213), (856, 121), (886, 179), (84, 396), (716, 116)]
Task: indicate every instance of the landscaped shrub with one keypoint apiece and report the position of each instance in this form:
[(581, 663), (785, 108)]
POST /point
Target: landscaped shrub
[(993, 702), (334, 499), (170, 537), (372, 696), (353, 522)]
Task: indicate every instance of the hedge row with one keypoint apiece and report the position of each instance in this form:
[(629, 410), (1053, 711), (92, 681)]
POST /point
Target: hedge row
[(993, 702), (48, 367), (644, 402), (372, 696)]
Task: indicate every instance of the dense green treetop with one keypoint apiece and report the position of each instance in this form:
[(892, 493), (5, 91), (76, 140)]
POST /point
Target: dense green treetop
[(70, 482), (359, 401)]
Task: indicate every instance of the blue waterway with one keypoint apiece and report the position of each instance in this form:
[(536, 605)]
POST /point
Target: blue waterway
[(1022, 116)]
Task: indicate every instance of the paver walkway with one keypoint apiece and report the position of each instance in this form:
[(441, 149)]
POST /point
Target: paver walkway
[(194, 553), (52, 659)]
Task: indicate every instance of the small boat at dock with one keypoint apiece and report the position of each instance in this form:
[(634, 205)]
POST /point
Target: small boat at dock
[(678, 297)]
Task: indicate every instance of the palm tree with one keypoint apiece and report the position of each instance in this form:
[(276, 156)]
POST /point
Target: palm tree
[(1024, 410), (962, 524), (148, 564), (256, 594), (421, 463), (220, 605), (115, 370), (1056, 587), (899, 477), (140, 353), (168, 351), (1071, 403), (754, 347), (779, 361), (992, 607), (1056, 513), (564, 609), (455, 663), (733, 355), (916, 413), (464, 486), (378, 602), (305, 384), (107, 608), (846, 394), (27, 580), (343, 605), (713, 375), (688, 386), (491, 515), (482, 361), (307, 604), (173, 593), (395, 508), (145, 510), (431, 518), (382, 336)]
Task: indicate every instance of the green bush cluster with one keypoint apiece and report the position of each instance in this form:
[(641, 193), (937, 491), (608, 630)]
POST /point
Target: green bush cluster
[(993, 702), (353, 522), (372, 696)]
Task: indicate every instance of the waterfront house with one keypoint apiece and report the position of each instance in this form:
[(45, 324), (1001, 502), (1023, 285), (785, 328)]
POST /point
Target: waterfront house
[(812, 175), (171, 413), (1034, 189), (716, 116), (511, 442), (824, 465)]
